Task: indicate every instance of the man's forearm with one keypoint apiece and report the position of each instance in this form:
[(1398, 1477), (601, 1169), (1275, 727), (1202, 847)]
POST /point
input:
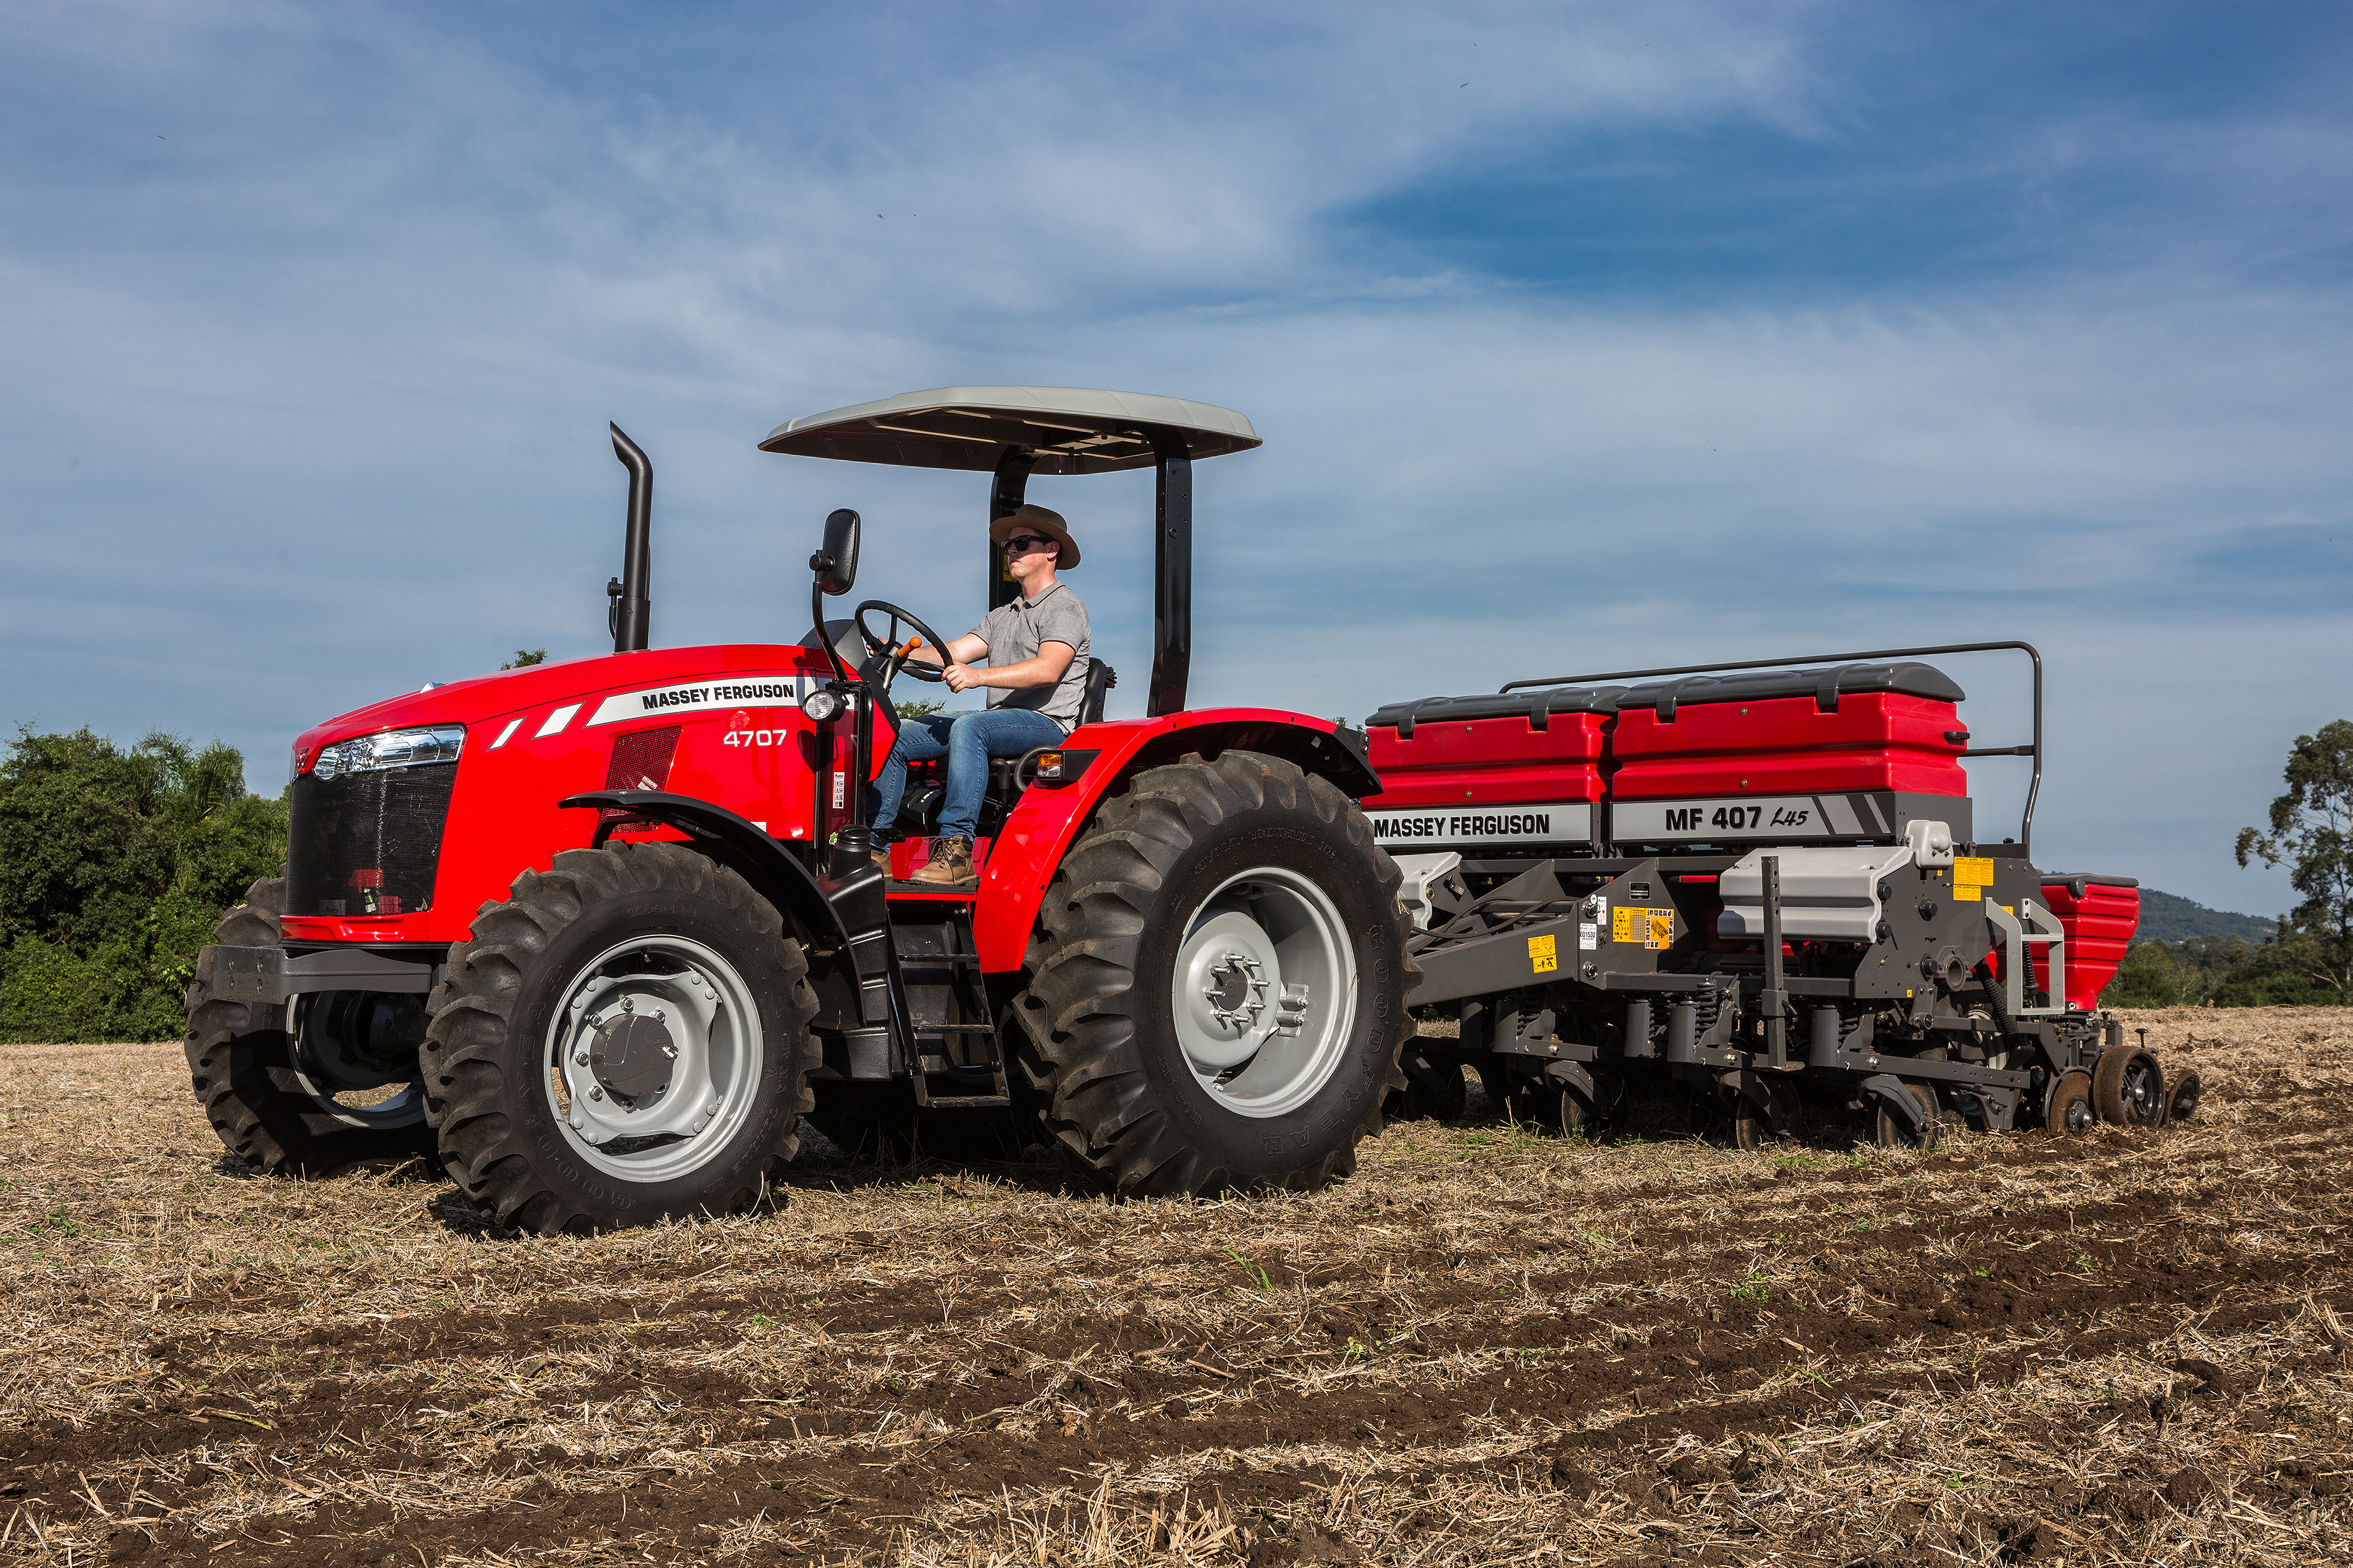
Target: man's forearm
[(1035, 671)]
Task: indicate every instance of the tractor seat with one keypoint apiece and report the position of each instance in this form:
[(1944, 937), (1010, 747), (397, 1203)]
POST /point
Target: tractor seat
[(926, 778), (1101, 678)]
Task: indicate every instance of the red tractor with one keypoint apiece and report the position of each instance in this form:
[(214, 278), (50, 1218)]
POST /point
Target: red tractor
[(599, 933)]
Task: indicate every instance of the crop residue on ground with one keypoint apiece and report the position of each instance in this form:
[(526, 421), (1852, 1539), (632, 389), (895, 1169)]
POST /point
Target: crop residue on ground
[(1488, 1346)]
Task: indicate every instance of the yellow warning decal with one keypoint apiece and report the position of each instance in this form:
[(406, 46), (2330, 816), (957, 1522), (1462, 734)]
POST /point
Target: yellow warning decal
[(1651, 928), (1972, 875), (1542, 956)]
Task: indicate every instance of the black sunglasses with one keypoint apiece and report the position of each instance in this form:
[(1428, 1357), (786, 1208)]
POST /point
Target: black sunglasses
[(1026, 540)]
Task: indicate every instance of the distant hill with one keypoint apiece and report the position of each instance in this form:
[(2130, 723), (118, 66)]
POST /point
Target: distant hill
[(2165, 917)]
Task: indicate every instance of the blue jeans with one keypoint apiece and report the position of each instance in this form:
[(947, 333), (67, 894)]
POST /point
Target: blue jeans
[(968, 741)]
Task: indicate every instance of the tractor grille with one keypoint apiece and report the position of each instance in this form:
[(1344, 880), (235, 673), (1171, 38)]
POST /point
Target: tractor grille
[(366, 843)]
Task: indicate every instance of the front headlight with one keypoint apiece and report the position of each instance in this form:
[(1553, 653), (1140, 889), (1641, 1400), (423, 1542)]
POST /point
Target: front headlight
[(821, 704), (392, 749)]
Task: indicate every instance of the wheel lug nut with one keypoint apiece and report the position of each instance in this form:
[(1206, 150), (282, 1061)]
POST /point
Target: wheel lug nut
[(597, 1093), (580, 1059)]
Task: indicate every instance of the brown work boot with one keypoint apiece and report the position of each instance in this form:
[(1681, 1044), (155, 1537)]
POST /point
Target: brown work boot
[(950, 866), (882, 859)]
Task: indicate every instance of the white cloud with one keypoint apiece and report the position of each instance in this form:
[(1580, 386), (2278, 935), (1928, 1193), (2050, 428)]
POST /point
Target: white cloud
[(307, 399)]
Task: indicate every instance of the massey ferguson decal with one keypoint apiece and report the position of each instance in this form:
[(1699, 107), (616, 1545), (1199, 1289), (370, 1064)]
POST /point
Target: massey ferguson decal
[(1557, 822), (730, 692)]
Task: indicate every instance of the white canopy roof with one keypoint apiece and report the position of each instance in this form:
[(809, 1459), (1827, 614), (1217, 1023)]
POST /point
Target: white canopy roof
[(1072, 431)]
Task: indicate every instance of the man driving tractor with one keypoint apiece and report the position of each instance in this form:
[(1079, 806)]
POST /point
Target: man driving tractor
[(1037, 676)]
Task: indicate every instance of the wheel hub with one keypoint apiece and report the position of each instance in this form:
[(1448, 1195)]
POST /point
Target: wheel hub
[(632, 1055), (1263, 992), (1236, 991), (654, 1057)]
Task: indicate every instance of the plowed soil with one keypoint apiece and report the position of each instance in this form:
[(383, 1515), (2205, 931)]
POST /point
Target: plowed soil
[(1488, 1345)]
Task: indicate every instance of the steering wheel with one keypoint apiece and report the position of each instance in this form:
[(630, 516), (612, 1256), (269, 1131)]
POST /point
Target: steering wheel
[(888, 649)]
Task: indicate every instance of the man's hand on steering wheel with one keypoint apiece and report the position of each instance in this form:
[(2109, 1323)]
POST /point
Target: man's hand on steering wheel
[(894, 653)]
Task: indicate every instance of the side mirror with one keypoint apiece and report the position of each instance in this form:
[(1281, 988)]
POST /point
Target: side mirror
[(836, 564)]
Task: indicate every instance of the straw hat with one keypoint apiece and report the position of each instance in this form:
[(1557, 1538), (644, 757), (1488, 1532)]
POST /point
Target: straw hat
[(1038, 519)]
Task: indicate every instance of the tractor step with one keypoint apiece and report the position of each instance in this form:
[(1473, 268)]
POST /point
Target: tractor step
[(947, 998)]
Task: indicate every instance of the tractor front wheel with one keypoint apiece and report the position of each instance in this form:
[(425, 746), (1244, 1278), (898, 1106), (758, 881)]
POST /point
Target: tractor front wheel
[(625, 1039), (306, 1087), (1217, 987)]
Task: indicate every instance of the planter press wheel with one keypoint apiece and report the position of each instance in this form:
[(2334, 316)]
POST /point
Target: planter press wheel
[(2182, 1101), (2067, 1104), (1889, 1130), (2128, 1087), (1752, 1128), (1434, 1088), (1550, 1103)]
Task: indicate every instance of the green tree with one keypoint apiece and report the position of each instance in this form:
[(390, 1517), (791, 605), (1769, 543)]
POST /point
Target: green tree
[(2312, 833), (115, 864), (525, 658)]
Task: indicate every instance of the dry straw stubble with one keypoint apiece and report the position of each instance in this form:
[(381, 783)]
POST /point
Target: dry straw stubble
[(1488, 1346)]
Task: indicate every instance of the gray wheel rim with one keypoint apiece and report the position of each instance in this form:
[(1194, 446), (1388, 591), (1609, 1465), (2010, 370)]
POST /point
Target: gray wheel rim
[(692, 1016), (324, 1069), (1264, 992)]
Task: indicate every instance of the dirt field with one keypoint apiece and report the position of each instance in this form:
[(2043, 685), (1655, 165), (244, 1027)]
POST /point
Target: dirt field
[(1489, 1346)]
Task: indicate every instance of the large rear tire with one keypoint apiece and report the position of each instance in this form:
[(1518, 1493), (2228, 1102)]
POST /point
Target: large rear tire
[(1217, 987), (626, 1039), (282, 1084)]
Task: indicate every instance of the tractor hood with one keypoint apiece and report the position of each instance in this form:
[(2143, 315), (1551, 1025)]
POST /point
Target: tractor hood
[(586, 693)]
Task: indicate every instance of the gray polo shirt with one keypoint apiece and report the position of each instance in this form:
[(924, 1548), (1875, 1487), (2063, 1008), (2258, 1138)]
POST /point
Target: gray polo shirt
[(1014, 632)]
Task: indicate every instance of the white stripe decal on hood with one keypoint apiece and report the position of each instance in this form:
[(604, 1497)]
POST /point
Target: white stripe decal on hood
[(710, 691)]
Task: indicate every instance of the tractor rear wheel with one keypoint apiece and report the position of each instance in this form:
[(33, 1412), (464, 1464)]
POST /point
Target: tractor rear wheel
[(303, 1094), (1218, 983), (625, 1039)]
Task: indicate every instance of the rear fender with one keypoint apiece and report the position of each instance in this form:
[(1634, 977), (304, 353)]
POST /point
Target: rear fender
[(738, 844), (1048, 820)]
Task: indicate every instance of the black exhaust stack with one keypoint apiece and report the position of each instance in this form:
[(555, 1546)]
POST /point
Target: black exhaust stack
[(630, 614)]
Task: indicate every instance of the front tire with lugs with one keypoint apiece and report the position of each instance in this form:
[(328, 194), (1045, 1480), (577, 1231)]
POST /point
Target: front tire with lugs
[(626, 1039), (289, 1109), (1218, 983)]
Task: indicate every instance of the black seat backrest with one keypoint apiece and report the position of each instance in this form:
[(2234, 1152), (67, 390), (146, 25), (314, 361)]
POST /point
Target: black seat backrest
[(1101, 678)]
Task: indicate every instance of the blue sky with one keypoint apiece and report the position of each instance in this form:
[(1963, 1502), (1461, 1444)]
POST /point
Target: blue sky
[(1581, 337)]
